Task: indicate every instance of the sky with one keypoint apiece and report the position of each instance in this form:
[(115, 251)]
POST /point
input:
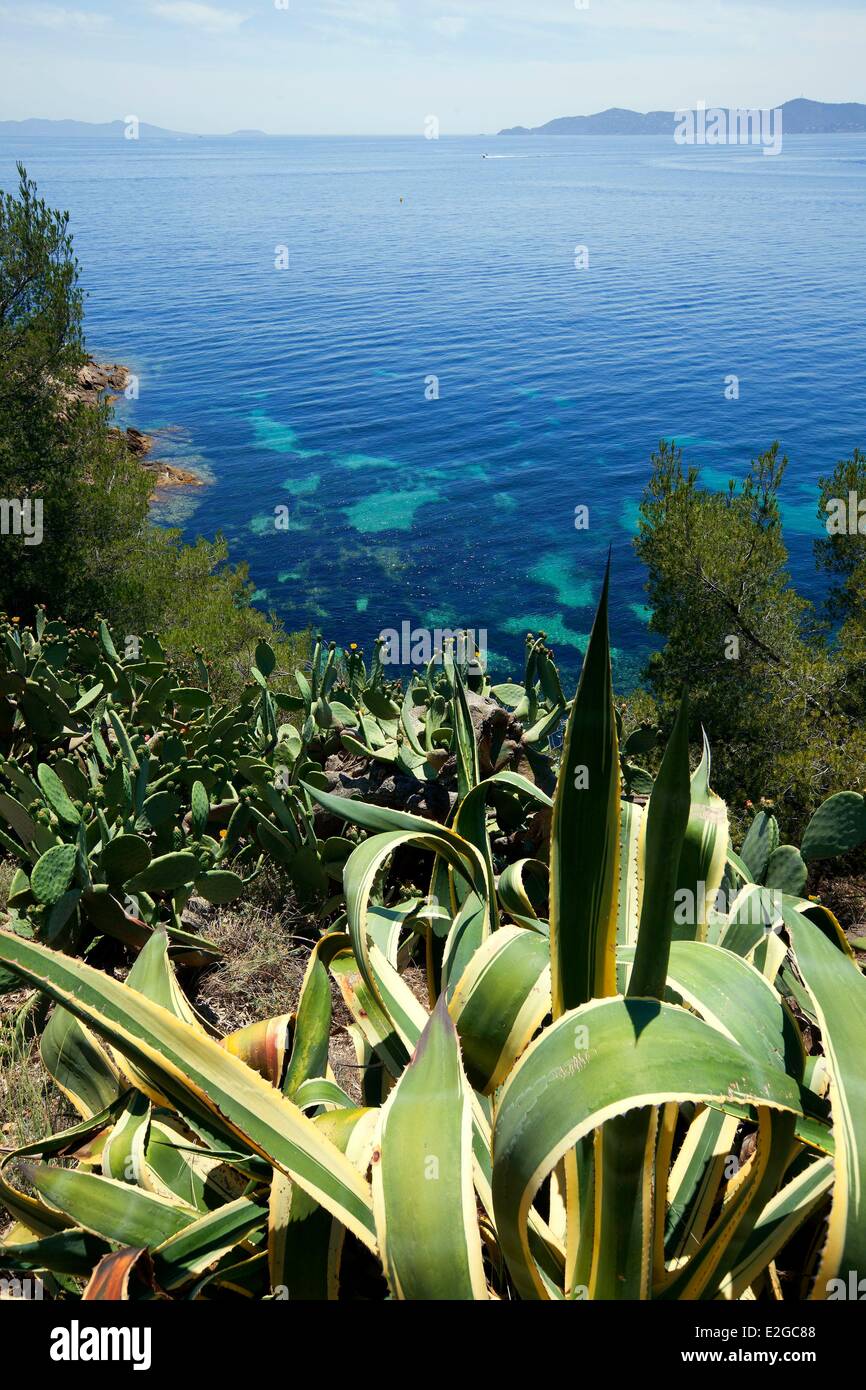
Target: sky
[(384, 66)]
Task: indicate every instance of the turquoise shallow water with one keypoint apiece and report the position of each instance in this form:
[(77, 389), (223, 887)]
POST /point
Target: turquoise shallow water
[(307, 387)]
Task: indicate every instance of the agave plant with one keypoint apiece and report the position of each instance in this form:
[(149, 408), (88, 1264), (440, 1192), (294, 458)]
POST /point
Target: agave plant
[(561, 1115)]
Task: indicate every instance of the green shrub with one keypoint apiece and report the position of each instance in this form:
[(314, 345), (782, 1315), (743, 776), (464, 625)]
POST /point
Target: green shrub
[(764, 669)]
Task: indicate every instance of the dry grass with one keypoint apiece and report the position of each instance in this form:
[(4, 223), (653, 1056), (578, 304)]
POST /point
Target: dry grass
[(28, 1099), (262, 969), (265, 939), (266, 944), (30, 1104), (266, 950)]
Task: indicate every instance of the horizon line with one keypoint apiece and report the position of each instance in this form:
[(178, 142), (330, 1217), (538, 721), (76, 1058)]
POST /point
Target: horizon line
[(255, 132)]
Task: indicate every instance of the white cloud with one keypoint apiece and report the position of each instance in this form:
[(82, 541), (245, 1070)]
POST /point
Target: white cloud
[(57, 18), (197, 16), (450, 26)]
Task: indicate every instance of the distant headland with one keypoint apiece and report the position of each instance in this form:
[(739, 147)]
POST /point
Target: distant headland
[(800, 117), (115, 130)]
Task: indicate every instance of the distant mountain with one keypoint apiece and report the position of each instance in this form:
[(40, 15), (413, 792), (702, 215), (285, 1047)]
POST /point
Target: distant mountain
[(800, 117), (112, 130), (615, 121)]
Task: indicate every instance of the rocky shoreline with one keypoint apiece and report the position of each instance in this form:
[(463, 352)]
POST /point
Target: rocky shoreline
[(96, 380)]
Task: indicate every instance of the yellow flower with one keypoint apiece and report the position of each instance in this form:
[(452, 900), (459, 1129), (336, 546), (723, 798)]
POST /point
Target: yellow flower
[(353, 646), (223, 834), (16, 620)]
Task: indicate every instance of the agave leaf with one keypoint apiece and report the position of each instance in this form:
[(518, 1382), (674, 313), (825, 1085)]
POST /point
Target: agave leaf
[(123, 1153), (665, 827), (623, 1221), (501, 1000), (630, 881), (405, 1011), (781, 1218), (838, 992), (584, 836), (201, 1243), (693, 1184), (369, 1013), (319, 1091), (745, 1196), (424, 1165), (78, 1064), (309, 1056), (703, 855), (111, 1278), (469, 930), (736, 999), (200, 1075), (305, 1243), (470, 822), (465, 746), (32, 1212), (596, 1062), (117, 1211), (523, 888), (153, 976), (366, 862), (739, 1001), (263, 1046), (381, 819), (199, 1176), (72, 1251)]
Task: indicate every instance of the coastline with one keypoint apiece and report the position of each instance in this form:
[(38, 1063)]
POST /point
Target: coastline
[(97, 380)]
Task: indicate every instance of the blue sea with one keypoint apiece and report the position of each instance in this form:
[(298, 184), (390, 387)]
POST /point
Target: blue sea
[(285, 305)]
